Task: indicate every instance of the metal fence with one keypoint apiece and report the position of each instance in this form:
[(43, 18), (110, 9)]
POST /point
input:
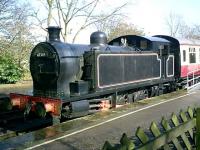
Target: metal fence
[(193, 79), (181, 131)]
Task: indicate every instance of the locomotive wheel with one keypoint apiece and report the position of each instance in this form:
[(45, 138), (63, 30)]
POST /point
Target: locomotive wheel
[(173, 87), (27, 109), (130, 98), (5, 103), (40, 110), (114, 100), (66, 111), (140, 94)]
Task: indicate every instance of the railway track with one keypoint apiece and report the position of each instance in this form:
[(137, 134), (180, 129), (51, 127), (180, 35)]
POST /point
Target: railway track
[(10, 115), (5, 134), (13, 123), (6, 119)]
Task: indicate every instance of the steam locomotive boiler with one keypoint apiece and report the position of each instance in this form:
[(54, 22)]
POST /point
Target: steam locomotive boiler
[(70, 80)]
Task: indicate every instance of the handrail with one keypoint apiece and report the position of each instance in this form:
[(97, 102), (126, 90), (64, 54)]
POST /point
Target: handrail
[(192, 78)]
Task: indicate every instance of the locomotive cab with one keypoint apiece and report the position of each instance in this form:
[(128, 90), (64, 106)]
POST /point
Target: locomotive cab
[(175, 49)]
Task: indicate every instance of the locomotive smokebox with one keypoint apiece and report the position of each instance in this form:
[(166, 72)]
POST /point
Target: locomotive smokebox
[(98, 38), (54, 33)]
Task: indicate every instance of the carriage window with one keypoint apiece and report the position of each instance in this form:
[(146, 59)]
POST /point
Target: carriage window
[(184, 55), (199, 55), (192, 55)]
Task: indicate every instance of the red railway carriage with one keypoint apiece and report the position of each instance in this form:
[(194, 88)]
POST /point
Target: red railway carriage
[(190, 57)]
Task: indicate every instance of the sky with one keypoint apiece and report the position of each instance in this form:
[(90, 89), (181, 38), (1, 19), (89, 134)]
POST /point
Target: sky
[(150, 15)]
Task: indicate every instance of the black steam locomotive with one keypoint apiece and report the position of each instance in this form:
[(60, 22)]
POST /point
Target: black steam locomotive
[(69, 80)]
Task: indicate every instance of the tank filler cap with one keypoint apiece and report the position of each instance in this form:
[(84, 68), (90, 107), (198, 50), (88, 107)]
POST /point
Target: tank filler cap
[(98, 38)]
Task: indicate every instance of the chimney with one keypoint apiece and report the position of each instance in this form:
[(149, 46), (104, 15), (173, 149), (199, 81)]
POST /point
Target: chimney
[(54, 33)]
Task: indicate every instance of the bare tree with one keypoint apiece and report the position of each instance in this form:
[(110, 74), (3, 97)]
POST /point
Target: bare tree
[(6, 7), (173, 23), (190, 32), (86, 11), (121, 28), (178, 28), (109, 24), (197, 31), (50, 6), (16, 37), (73, 16), (20, 32), (43, 23)]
